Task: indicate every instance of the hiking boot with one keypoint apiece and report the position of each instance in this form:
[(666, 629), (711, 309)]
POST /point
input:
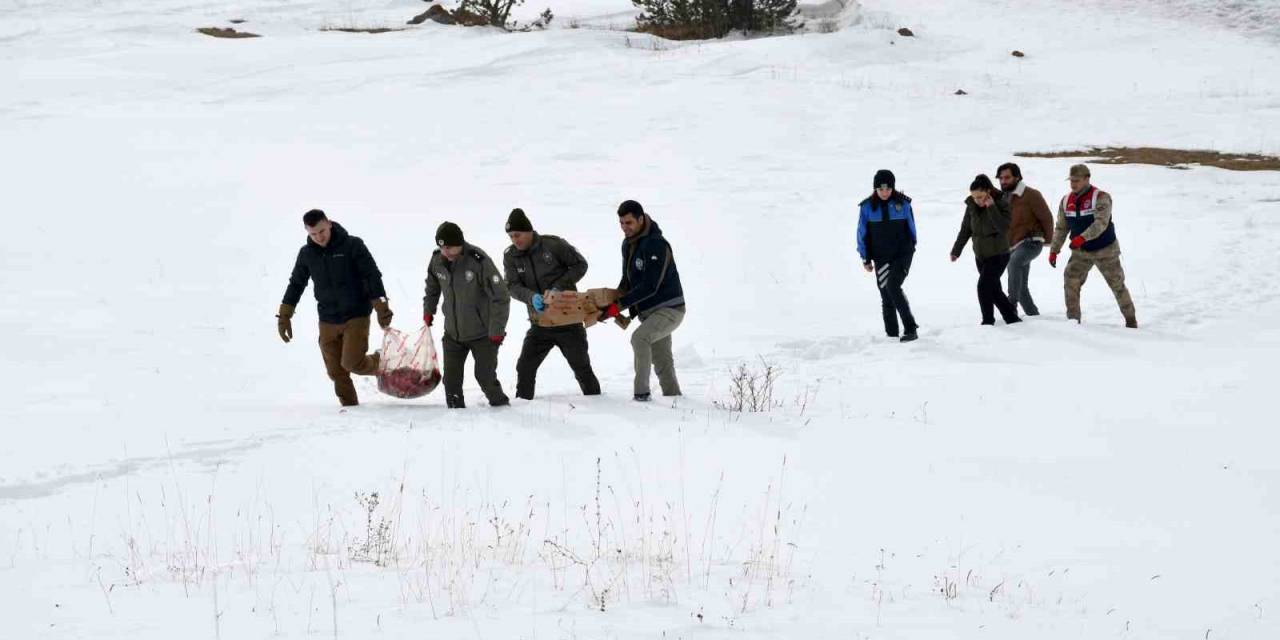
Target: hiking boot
[(501, 402), (909, 337), (642, 397), (1131, 323), (1015, 320)]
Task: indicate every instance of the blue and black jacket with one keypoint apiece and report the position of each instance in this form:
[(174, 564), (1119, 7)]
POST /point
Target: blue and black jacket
[(650, 280), (886, 228)]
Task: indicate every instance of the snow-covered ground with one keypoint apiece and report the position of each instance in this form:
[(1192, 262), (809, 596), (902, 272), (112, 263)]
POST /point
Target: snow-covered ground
[(172, 470)]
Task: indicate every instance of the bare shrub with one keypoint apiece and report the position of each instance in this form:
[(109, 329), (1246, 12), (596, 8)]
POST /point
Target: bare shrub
[(751, 389)]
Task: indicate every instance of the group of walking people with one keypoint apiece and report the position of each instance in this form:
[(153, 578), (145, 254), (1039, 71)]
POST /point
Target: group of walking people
[(1008, 227), (464, 284)]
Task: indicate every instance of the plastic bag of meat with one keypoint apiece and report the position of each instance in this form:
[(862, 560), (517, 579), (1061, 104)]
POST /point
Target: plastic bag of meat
[(408, 367)]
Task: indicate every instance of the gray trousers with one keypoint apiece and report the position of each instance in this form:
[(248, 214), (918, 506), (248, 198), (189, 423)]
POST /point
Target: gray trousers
[(651, 344), (485, 362), (1020, 260)]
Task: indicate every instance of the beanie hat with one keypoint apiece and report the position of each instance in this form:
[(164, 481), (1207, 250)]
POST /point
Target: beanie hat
[(630, 207), (883, 177), (518, 221), (449, 235)]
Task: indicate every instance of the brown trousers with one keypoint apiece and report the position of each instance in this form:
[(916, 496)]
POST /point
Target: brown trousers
[(343, 347)]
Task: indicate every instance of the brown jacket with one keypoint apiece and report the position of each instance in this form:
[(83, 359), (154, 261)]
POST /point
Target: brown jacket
[(1031, 215)]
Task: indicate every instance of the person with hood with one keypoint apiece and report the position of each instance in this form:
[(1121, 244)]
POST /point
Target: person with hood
[(1030, 226), (536, 265), (1084, 215), (887, 243), (986, 223), (650, 290), (476, 306), (348, 287)]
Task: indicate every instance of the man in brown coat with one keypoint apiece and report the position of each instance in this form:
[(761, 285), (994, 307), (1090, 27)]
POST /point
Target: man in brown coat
[(348, 287), (1030, 228)]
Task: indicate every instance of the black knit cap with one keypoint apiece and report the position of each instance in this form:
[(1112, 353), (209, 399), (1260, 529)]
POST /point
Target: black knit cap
[(449, 235), (883, 177), (518, 221), (630, 207)]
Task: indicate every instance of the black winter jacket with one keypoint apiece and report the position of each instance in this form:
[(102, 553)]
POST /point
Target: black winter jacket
[(346, 277)]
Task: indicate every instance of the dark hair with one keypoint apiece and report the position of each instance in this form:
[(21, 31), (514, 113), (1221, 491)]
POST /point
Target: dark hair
[(313, 217), (982, 183), (1013, 168), (630, 208)]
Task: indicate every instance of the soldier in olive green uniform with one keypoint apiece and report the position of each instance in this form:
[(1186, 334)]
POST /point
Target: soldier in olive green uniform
[(476, 306), (536, 264), (1084, 216)]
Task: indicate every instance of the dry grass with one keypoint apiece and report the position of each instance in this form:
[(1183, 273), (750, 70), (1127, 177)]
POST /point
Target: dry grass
[(1177, 158), (363, 29), (220, 32), (682, 32)]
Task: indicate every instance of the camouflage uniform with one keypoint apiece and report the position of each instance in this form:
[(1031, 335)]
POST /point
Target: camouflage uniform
[(1105, 258)]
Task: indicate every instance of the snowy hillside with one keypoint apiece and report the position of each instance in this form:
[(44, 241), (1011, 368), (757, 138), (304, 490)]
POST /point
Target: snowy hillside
[(172, 470)]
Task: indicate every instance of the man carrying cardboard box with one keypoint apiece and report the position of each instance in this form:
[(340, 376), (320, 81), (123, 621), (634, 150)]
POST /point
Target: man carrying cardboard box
[(538, 266), (650, 289)]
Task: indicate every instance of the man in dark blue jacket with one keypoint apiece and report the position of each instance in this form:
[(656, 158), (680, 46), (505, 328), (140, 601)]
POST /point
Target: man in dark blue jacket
[(348, 287), (650, 289)]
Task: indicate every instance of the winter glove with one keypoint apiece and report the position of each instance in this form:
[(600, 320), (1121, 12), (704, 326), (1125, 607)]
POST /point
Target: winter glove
[(427, 319), (1053, 260), (539, 305), (283, 323), (610, 311), (384, 312), (497, 340), (1077, 242), (866, 266)]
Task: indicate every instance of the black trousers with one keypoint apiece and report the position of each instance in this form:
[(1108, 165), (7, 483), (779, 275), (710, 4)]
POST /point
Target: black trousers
[(990, 294), (893, 302), (484, 354), (538, 342)]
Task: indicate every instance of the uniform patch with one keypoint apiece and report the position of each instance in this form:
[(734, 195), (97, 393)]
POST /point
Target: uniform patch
[(471, 275), (640, 264), (443, 275), (519, 269), (496, 279), (547, 257)]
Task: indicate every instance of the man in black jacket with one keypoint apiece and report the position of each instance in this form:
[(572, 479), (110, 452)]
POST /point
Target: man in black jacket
[(535, 265), (348, 286), (650, 288)]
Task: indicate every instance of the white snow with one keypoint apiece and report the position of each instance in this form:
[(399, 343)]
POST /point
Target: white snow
[(173, 470)]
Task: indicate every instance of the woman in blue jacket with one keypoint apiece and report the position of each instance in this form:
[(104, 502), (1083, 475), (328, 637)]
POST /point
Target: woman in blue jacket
[(886, 243)]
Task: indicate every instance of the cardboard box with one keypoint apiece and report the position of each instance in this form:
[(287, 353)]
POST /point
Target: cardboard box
[(566, 308)]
